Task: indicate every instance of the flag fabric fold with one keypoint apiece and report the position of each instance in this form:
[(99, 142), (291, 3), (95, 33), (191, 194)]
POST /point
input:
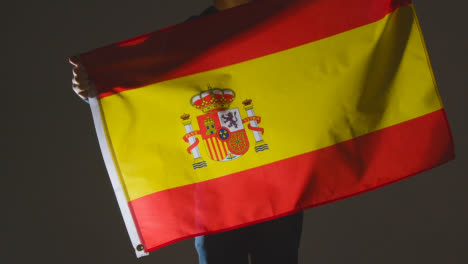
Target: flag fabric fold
[(264, 110)]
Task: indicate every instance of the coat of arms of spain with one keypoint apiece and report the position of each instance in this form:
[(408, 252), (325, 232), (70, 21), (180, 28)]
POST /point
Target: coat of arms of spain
[(221, 128)]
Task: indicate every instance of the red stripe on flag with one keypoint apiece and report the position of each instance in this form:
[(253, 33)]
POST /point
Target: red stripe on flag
[(326, 175), (228, 37)]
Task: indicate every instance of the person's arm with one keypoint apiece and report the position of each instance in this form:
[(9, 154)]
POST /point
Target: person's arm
[(80, 82)]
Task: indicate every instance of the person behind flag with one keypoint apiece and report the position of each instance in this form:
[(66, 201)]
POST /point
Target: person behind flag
[(275, 241)]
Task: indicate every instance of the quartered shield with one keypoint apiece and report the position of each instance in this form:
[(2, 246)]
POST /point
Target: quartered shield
[(224, 134)]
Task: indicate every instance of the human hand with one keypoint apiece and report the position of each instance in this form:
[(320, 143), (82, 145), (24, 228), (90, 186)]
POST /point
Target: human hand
[(80, 82)]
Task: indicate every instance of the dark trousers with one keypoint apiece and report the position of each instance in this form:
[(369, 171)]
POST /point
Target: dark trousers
[(275, 241)]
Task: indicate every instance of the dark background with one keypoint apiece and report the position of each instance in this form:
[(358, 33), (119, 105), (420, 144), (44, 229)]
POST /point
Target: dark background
[(60, 207)]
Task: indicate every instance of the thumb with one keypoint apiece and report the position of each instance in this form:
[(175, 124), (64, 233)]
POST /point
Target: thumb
[(74, 60)]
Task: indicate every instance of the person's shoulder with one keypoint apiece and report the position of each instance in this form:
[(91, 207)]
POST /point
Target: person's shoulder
[(208, 11)]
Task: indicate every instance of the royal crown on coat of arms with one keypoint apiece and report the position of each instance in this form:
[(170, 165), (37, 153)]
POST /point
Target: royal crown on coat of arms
[(221, 129)]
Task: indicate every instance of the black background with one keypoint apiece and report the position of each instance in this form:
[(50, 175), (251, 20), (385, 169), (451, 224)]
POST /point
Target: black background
[(60, 207)]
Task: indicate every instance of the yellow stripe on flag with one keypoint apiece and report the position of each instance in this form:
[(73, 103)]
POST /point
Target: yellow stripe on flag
[(327, 91)]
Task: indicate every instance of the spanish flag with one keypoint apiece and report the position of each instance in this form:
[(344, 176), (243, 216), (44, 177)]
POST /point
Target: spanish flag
[(264, 110)]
